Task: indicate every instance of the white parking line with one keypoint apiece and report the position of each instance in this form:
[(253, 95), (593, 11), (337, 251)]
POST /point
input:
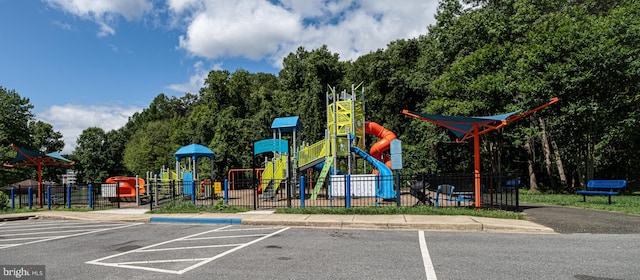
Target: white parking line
[(229, 252), (42, 232), (200, 261), (55, 226), (229, 236), (50, 238), (190, 247), (426, 258)]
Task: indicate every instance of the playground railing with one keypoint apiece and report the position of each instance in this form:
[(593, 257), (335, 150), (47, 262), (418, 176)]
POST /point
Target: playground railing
[(313, 152)]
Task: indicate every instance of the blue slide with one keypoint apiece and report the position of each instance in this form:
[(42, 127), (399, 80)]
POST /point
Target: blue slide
[(385, 188)]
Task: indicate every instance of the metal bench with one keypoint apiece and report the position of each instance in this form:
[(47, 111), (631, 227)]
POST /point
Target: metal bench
[(602, 187), (418, 190), (450, 194)]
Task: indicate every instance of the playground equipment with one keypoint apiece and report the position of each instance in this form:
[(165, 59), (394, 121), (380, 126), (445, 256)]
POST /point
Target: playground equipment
[(346, 129), (277, 169), (243, 175), (122, 188), (192, 153), (185, 180)]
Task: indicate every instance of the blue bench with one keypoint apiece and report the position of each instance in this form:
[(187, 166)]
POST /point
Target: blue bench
[(450, 194), (602, 187)]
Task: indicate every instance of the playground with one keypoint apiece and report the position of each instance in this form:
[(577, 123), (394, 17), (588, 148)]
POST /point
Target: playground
[(340, 170)]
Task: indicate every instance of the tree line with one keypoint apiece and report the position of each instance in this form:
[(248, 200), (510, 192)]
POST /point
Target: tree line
[(480, 58)]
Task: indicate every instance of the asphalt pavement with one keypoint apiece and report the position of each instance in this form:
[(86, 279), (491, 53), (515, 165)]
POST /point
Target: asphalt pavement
[(575, 220)]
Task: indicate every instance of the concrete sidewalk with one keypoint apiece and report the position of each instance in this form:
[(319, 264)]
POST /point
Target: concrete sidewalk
[(394, 222)]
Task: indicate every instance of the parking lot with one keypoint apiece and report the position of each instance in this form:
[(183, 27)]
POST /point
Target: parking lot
[(92, 250)]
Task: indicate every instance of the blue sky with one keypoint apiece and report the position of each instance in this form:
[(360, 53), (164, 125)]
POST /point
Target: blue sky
[(86, 63)]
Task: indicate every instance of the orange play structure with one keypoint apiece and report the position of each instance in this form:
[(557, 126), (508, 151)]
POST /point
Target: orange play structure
[(127, 185), (383, 145)]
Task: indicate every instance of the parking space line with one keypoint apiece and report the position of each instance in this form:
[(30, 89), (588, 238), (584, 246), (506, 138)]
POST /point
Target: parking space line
[(57, 226), (426, 258), (230, 251), (23, 238), (223, 237), (249, 229), (200, 261), (37, 224), (190, 247), (99, 261), (42, 232), (51, 238), (163, 261)]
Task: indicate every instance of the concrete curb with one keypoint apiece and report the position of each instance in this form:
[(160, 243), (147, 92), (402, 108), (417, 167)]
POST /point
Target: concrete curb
[(17, 218), (379, 222)]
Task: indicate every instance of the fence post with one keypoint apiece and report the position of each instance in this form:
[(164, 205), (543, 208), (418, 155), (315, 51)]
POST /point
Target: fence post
[(155, 188), (137, 192), (288, 185), (30, 199), (377, 178), (13, 199), (172, 185), (118, 194), (69, 197), (49, 197), (193, 191), (302, 192), (226, 191), (347, 191), (398, 189), (90, 196), (518, 193), (151, 193)]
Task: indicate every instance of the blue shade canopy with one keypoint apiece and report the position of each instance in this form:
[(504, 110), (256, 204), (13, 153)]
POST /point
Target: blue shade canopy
[(287, 124), (25, 155), (58, 156), (193, 151), (462, 127)]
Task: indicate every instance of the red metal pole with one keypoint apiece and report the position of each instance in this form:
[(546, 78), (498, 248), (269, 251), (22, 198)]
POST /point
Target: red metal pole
[(40, 183)]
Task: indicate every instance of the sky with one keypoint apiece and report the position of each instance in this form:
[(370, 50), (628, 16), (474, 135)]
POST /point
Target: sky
[(94, 63)]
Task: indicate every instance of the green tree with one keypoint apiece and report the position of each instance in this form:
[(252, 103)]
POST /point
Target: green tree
[(15, 115), (90, 156), (149, 149), (45, 139)]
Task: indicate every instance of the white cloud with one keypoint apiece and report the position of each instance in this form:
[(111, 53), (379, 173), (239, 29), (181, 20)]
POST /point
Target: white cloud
[(260, 29), (196, 81), (71, 120), (248, 29), (104, 12), (63, 25)]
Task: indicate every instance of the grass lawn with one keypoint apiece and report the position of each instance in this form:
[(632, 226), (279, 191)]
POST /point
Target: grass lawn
[(621, 203), (416, 210)]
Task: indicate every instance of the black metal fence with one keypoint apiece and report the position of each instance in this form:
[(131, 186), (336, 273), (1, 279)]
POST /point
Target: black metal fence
[(94, 196), (497, 191)]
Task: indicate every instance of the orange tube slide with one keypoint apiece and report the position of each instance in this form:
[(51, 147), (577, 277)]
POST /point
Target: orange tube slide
[(385, 135)]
